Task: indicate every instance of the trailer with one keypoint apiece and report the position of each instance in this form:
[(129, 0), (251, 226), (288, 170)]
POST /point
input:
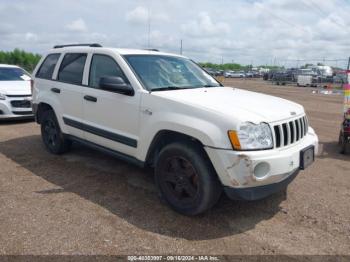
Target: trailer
[(304, 80)]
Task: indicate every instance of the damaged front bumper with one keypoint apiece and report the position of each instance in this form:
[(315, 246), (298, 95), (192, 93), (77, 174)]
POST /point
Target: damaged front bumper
[(256, 174), (259, 192)]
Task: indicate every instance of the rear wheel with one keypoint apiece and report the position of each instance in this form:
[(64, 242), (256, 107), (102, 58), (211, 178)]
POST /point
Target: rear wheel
[(186, 180), (51, 134)]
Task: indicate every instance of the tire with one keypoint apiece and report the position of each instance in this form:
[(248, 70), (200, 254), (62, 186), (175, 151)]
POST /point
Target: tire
[(344, 145), (186, 180), (51, 134)]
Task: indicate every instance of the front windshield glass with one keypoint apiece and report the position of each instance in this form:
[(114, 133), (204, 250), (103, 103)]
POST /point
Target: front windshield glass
[(13, 74), (160, 72)]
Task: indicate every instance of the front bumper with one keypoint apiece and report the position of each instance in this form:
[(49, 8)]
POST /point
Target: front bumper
[(8, 111), (238, 169), (259, 192)]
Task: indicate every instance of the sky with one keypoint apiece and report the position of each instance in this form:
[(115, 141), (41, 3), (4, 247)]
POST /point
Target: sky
[(279, 32)]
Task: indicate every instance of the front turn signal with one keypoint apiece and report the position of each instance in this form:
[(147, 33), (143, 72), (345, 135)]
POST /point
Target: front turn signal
[(234, 140)]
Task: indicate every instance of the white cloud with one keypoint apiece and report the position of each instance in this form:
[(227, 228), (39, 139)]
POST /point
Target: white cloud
[(139, 15), (203, 26), (77, 25), (31, 37)]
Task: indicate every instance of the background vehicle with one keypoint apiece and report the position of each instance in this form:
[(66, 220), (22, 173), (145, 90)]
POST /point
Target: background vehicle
[(228, 73), (15, 92), (162, 110), (283, 77), (344, 135), (249, 74), (304, 80), (237, 74)]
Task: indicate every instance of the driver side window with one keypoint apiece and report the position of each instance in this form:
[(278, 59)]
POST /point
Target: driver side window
[(103, 66)]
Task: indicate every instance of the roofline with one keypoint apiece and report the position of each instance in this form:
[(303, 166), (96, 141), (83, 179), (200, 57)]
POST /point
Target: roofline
[(77, 45)]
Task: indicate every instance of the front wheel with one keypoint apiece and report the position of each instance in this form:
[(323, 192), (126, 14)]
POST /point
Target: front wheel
[(186, 179), (51, 134), (344, 144)]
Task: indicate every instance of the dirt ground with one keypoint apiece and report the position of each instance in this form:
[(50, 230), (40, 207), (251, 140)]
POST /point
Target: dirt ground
[(85, 202)]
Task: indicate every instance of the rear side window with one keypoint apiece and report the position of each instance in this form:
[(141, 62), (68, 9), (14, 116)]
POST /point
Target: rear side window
[(48, 66), (72, 69), (103, 66)]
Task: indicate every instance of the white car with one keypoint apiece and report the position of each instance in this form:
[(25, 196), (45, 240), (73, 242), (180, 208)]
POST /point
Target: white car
[(162, 110), (238, 74), (15, 92), (233, 74)]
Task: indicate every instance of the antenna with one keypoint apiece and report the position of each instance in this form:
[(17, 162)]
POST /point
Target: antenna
[(181, 47), (149, 27)]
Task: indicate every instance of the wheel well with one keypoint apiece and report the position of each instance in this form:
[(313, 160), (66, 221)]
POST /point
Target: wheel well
[(165, 137), (42, 107)]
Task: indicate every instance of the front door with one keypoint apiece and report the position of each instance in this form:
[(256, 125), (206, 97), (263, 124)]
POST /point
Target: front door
[(110, 119)]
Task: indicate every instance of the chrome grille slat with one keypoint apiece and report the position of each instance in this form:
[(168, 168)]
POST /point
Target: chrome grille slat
[(306, 125), (294, 132), (281, 134), (302, 126), (290, 132)]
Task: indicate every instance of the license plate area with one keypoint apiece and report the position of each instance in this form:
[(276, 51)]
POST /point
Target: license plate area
[(307, 157)]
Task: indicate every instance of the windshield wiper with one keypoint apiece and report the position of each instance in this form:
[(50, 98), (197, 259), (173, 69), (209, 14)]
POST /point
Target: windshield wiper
[(165, 88)]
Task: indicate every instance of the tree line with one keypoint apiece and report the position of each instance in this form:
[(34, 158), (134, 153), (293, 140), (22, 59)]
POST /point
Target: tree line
[(20, 58)]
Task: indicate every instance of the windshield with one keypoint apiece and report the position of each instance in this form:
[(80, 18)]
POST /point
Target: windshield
[(160, 72), (13, 74)]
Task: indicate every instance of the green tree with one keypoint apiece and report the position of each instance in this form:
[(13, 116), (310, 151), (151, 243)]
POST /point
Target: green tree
[(20, 58)]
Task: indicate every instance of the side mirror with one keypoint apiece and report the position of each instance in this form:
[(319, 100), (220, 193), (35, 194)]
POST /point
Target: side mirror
[(117, 85)]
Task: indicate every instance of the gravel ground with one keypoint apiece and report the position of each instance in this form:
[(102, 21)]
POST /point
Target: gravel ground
[(85, 202)]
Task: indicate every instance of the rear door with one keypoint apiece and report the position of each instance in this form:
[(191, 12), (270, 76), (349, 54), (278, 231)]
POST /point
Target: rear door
[(69, 89), (111, 118)]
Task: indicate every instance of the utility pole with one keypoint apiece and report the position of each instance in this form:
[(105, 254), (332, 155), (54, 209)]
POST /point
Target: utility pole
[(222, 60)]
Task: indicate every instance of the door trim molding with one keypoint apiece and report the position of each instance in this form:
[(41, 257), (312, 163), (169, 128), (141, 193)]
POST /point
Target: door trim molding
[(101, 132)]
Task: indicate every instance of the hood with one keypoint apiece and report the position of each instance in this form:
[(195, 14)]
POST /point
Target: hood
[(240, 104), (15, 87)]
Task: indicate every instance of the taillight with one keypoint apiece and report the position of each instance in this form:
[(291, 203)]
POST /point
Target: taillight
[(31, 86)]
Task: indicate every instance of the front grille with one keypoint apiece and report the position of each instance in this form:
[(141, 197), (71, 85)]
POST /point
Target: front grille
[(290, 132), (21, 103)]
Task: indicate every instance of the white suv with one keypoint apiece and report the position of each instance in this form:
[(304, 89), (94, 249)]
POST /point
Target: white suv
[(162, 110)]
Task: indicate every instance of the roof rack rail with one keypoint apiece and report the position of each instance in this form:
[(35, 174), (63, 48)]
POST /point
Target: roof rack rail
[(90, 45), (152, 49)]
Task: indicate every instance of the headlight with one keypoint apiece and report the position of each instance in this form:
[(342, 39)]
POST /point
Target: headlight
[(2, 97), (251, 137)]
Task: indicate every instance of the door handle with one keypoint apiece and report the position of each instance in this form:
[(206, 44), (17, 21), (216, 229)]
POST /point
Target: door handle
[(90, 98), (56, 90)]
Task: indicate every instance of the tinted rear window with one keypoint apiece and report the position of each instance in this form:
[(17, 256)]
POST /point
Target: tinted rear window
[(48, 66), (13, 74), (72, 68)]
